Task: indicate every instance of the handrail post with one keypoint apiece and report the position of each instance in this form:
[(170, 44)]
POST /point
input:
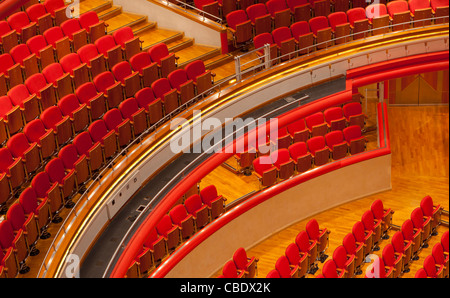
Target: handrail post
[(267, 56), (237, 67)]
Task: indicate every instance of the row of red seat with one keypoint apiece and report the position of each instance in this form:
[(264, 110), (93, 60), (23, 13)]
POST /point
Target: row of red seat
[(317, 124), (181, 223), (301, 156), (436, 264), (364, 239), (301, 256), (240, 266), (406, 243), (351, 23)]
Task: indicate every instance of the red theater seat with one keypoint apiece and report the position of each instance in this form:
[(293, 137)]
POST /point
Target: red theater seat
[(93, 25), (358, 22), (131, 45), (168, 95), (281, 159), (303, 36), (153, 106), (214, 201), (382, 214), (211, 7), (169, 231), (28, 103), (77, 35), (166, 61), (301, 157), (57, 8), (94, 60), (319, 150), (185, 221), (297, 258), (13, 168), (8, 37), (300, 10), (355, 140), (440, 11), (337, 145), (321, 235), (148, 70), (356, 249), (185, 87), (122, 127), (322, 31), (392, 260), (60, 43), (309, 247), (21, 148), (432, 269), (420, 10), (107, 138), (14, 244), (66, 179), (441, 258), (285, 42), (363, 237), (92, 150), (43, 51), (95, 101), (24, 224), (334, 118), (110, 50), (378, 18), (421, 223), (340, 27), (265, 172), (10, 72), (76, 162), (280, 13), (203, 78), (402, 249), (20, 22), (77, 69), (240, 27), (112, 90), (399, 14), (61, 125), (229, 270), (245, 264), (62, 82), (47, 190), (129, 79), (36, 132), (432, 210), (320, 7), (260, 18), (330, 270), (261, 40), (198, 210), (27, 60), (414, 235), (298, 131), (138, 117), (39, 15), (316, 124), (344, 262), (371, 224)]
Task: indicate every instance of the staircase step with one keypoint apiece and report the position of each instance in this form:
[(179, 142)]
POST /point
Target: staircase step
[(157, 35), (110, 12), (196, 52), (218, 61), (125, 19), (180, 44), (94, 5)]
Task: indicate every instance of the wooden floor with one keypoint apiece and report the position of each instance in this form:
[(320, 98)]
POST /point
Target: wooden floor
[(420, 150)]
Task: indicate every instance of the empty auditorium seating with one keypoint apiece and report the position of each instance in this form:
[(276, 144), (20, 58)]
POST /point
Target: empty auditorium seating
[(336, 144), (112, 51), (60, 43), (138, 117), (8, 37), (203, 78), (166, 61), (402, 248), (240, 27), (112, 90), (95, 27), (316, 124), (282, 36), (14, 244), (279, 12), (13, 168), (432, 269), (371, 224), (94, 60), (129, 78), (62, 82), (29, 153), (39, 15), (356, 249), (392, 260), (28, 103), (11, 71), (334, 118), (421, 12), (260, 18), (283, 162), (303, 36), (246, 264), (21, 23), (214, 201), (57, 8), (185, 87), (122, 127), (358, 22), (429, 209), (261, 40), (340, 27), (229, 270), (95, 101), (322, 31), (330, 270), (78, 70), (211, 7), (107, 138), (321, 235), (399, 14), (302, 158), (319, 150), (382, 214), (297, 258), (300, 10), (39, 209), (199, 210), (344, 261), (298, 131), (153, 252), (265, 172), (43, 51), (308, 246), (168, 95), (421, 223), (378, 18), (11, 115), (130, 44), (185, 221), (440, 11), (355, 140), (152, 105), (285, 269), (441, 258), (363, 236), (414, 235), (27, 60), (148, 70), (169, 231)]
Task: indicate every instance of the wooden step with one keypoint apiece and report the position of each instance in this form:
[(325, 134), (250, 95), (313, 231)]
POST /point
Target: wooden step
[(110, 12), (218, 61), (180, 44), (94, 5), (196, 52), (157, 35), (125, 19)]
